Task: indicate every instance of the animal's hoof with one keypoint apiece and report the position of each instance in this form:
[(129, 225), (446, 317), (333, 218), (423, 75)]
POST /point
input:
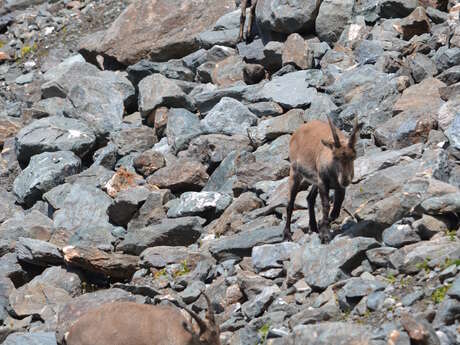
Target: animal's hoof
[(287, 235), (325, 238), (334, 215)]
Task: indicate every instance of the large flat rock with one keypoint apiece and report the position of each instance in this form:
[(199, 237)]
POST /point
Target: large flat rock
[(160, 30)]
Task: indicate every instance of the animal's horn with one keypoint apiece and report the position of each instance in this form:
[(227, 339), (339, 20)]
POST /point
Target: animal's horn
[(352, 141), (198, 320), (334, 132), (210, 313)]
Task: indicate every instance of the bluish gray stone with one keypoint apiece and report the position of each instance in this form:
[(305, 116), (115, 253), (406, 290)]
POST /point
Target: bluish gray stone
[(228, 117), (54, 134), (290, 90), (182, 127), (323, 265), (167, 232), (44, 172), (38, 338), (199, 204), (272, 255), (399, 235), (157, 90)]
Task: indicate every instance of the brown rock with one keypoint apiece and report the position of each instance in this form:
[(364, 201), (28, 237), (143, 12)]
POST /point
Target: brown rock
[(228, 71), (423, 97), (114, 265), (122, 180), (180, 175), (4, 57), (253, 73), (232, 218), (438, 4), (419, 331), (155, 29), (148, 162), (8, 128), (37, 299), (451, 92), (158, 119), (416, 23), (296, 52)]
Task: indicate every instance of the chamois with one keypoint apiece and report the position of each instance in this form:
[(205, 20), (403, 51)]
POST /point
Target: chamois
[(252, 14), (323, 157), (129, 323)]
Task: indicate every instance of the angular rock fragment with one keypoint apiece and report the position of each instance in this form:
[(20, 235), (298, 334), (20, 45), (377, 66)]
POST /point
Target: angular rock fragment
[(44, 172)]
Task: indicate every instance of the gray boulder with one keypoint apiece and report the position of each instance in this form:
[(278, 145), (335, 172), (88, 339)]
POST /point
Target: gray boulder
[(228, 117), (287, 17), (414, 257), (38, 252), (54, 134), (400, 234), (446, 58), (136, 139), (332, 18), (290, 90), (206, 204), (82, 210), (323, 265), (61, 79), (182, 127), (126, 204), (173, 69), (157, 90), (44, 172), (7, 205), (37, 338), (99, 103), (211, 149), (453, 132), (241, 244), (167, 232), (338, 333), (31, 225), (274, 127), (272, 255)]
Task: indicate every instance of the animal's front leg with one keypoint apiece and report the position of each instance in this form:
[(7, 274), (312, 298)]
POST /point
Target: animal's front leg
[(339, 196), (293, 190), (325, 203)]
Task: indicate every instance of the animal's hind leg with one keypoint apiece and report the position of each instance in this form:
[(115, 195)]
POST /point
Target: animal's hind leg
[(311, 198), (244, 4), (294, 183), (252, 15), (324, 227), (339, 196)]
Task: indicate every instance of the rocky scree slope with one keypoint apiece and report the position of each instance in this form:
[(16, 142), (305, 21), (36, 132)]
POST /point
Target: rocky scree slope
[(147, 161)]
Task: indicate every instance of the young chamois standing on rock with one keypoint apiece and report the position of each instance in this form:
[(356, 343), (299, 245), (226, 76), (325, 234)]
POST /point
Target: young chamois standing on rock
[(252, 14), (323, 157), (129, 323)]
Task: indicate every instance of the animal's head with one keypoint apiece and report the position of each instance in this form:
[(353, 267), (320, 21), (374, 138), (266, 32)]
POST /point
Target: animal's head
[(343, 154), (209, 330)]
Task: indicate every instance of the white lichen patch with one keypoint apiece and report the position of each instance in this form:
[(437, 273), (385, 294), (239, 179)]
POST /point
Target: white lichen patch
[(73, 133)]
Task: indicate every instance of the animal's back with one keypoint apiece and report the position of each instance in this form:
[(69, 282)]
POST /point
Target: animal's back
[(128, 323), (312, 132)]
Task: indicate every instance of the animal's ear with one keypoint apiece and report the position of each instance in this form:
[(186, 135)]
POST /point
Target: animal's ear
[(353, 136), (328, 144)]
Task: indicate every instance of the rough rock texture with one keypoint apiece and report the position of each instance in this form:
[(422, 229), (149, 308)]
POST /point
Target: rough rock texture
[(154, 166), (129, 39)]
